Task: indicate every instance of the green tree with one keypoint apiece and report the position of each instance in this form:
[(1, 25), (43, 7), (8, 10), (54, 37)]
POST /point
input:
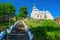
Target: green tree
[(7, 11), (2, 12), (23, 11), (2, 9), (17, 16), (10, 10)]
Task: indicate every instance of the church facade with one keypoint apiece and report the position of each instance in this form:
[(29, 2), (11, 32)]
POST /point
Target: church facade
[(37, 14)]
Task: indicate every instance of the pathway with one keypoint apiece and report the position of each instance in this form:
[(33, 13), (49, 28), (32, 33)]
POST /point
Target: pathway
[(18, 33)]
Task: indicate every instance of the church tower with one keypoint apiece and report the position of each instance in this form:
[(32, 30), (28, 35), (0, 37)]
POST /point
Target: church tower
[(34, 7), (35, 12)]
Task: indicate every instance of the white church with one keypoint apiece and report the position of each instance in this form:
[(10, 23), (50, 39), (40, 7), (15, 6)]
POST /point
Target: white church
[(37, 14)]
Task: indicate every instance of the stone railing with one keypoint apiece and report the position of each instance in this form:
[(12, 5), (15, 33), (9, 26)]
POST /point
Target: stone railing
[(30, 35), (2, 34), (10, 29)]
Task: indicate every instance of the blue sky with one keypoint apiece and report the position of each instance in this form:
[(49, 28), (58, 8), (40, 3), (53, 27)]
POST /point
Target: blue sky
[(52, 5)]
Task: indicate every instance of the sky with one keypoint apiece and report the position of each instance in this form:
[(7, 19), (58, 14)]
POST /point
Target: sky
[(51, 5)]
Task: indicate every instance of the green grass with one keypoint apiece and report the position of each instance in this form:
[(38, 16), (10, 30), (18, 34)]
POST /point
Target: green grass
[(44, 29)]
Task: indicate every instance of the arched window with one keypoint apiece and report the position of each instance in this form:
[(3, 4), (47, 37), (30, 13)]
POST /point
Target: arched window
[(37, 15)]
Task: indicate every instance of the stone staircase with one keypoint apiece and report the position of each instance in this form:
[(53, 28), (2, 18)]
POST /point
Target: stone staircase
[(18, 33)]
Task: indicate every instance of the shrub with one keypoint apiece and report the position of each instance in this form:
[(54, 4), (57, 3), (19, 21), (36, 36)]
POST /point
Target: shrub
[(44, 29)]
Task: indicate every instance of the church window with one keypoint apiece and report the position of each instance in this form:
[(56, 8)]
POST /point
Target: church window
[(37, 15), (40, 16)]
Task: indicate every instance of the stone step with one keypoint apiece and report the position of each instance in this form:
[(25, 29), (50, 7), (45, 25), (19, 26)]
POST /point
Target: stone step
[(17, 37), (18, 33)]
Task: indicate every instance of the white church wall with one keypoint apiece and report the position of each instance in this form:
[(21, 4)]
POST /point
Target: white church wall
[(49, 16), (36, 14)]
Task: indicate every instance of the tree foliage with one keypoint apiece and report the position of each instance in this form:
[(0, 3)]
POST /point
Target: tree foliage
[(7, 10), (10, 9), (23, 11), (2, 9)]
